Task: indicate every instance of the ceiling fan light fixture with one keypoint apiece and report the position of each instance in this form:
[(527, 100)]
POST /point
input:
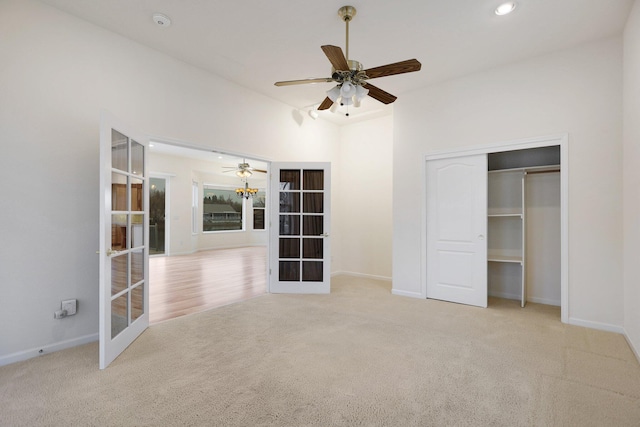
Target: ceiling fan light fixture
[(347, 89), (334, 93), (243, 173), (346, 101), (506, 8), (361, 92)]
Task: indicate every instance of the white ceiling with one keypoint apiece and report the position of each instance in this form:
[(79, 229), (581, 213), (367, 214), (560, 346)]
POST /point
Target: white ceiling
[(255, 43)]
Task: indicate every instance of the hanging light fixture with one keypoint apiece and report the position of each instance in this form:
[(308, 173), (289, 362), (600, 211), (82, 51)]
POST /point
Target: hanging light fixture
[(243, 173), (246, 192), (334, 93), (347, 93), (361, 92)]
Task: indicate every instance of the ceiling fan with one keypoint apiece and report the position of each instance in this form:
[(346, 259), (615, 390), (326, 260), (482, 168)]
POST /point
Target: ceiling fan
[(243, 170), (352, 80)]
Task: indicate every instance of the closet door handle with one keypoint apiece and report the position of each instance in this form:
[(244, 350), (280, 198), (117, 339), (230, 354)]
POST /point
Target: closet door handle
[(480, 236)]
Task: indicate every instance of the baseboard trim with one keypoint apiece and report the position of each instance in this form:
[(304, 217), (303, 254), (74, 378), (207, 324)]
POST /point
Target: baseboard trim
[(634, 349), (214, 248), (402, 293), (237, 246), (366, 276), (50, 348), (596, 325)]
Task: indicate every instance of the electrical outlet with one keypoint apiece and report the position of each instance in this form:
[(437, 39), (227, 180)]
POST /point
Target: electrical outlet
[(69, 306)]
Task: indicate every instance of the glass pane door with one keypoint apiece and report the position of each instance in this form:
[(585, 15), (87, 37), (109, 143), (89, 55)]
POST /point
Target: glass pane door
[(300, 243), (157, 215), (124, 240)]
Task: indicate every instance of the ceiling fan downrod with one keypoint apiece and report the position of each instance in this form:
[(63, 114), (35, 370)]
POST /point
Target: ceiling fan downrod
[(346, 13)]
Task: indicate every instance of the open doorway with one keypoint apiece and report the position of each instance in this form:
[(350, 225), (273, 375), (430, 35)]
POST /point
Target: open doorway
[(215, 251), (158, 217)]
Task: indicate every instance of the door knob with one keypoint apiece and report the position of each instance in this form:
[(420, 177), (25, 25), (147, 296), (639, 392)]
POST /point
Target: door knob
[(112, 252), (324, 235), (480, 236)]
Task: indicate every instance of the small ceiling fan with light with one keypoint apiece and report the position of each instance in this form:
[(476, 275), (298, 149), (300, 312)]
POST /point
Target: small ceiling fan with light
[(243, 170), (352, 79)]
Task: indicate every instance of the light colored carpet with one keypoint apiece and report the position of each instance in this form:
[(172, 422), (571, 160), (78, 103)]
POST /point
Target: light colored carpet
[(357, 357)]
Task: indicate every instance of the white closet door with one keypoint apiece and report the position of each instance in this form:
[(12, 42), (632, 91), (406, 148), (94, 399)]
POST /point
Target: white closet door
[(457, 229)]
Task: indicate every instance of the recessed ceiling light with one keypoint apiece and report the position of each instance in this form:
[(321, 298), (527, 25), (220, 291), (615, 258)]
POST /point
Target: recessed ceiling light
[(161, 20), (505, 8)]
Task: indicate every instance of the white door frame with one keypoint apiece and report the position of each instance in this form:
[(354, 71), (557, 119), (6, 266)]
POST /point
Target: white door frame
[(561, 140)]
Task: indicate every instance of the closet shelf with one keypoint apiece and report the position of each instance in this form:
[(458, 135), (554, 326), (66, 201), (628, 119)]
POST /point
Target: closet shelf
[(504, 258), (528, 169), (504, 215), (504, 210)]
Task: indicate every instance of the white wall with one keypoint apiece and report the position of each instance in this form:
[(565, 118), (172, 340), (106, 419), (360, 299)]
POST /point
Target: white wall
[(57, 72), (578, 91), (632, 178), (543, 266), (364, 198)]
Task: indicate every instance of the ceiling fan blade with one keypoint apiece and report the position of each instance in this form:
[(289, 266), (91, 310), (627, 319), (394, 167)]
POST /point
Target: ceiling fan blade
[(327, 103), (336, 57), (380, 95), (258, 170), (407, 66), (304, 81)]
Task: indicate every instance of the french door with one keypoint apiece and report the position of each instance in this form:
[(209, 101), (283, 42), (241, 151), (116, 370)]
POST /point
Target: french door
[(299, 228), (124, 240), (456, 229)]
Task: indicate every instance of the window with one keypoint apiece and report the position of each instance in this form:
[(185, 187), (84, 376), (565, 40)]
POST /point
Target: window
[(222, 209), (259, 203), (194, 207)]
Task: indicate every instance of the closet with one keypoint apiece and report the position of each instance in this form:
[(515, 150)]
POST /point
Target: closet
[(523, 225), (493, 226)]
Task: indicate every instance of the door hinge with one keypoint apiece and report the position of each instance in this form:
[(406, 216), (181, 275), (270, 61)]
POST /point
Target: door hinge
[(269, 272)]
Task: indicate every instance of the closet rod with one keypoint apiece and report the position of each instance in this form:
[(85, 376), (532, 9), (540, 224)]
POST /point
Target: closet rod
[(547, 171)]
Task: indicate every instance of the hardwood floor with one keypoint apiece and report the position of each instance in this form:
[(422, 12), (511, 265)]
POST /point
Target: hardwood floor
[(186, 284)]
